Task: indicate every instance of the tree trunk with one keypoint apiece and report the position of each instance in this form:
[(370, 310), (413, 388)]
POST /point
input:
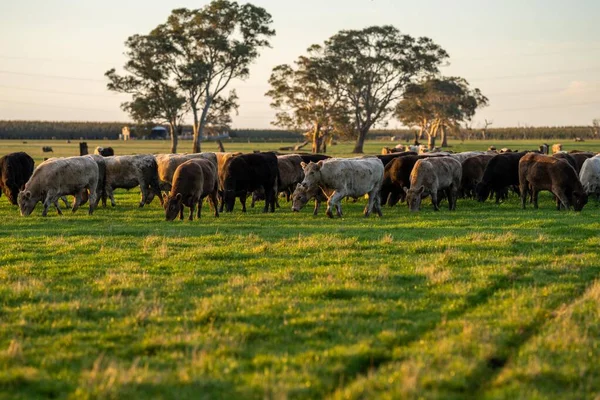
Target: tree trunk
[(417, 136), (316, 139), (202, 124), (173, 139), (196, 140), (221, 147), (360, 141), (444, 137), (431, 142)]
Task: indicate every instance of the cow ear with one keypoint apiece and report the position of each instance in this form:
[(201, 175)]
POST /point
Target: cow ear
[(178, 197), (303, 164), (405, 189), (319, 165), (420, 190)]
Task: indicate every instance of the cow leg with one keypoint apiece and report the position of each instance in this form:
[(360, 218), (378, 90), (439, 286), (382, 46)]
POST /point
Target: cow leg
[(254, 200), (243, 201), (434, 200), (221, 201), (377, 204), (144, 190), (192, 209), (562, 198), (111, 195), (523, 190), (334, 200), (212, 198), (181, 212), (94, 199), (199, 207), (534, 196), (76, 203), (51, 199), (58, 210), (65, 201), (316, 209), (373, 196)]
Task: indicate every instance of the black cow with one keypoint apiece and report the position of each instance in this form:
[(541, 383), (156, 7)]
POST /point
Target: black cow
[(16, 169), (387, 158), (308, 158), (246, 173), (501, 172)]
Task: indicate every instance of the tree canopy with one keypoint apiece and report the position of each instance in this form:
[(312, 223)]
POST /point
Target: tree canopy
[(437, 104)]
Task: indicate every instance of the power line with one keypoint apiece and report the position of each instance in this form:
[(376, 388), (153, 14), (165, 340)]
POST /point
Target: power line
[(54, 106), (63, 61), (58, 92)]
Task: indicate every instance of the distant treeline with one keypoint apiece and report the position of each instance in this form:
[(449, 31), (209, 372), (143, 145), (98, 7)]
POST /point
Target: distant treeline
[(111, 130)]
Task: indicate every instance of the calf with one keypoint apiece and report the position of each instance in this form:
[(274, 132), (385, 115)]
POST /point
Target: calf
[(302, 195), (168, 163), (15, 170), (352, 177), (246, 173), (590, 176), (540, 172), (127, 172), (433, 175), (501, 172), (59, 177), (193, 180)]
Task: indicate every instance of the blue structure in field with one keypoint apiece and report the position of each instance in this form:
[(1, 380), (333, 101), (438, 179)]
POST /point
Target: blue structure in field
[(158, 132)]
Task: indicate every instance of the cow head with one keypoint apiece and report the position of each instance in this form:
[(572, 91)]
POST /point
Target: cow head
[(579, 200), (172, 206), (312, 174), (26, 202), (300, 197), (482, 191), (413, 197)]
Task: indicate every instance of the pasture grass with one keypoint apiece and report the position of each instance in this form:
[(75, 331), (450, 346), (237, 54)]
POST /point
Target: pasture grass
[(488, 301)]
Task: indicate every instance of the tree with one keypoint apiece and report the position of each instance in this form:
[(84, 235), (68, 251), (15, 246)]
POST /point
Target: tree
[(595, 127), (373, 68), (437, 104), (154, 98), (306, 97), (209, 47), (485, 128)]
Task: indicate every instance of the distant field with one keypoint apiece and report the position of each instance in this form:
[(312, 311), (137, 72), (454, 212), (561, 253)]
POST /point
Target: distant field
[(487, 301)]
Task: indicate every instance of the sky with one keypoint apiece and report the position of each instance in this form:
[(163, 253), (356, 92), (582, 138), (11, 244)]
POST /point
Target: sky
[(538, 61)]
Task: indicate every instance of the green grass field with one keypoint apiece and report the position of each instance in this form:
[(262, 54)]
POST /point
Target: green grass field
[(485, 302)]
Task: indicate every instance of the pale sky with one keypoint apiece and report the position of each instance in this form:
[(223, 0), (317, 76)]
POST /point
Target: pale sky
[(538, 61)]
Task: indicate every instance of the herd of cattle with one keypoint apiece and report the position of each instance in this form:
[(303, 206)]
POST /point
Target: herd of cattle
[(184, 180)]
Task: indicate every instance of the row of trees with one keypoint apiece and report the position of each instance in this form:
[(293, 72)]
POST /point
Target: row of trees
[(356, 80)]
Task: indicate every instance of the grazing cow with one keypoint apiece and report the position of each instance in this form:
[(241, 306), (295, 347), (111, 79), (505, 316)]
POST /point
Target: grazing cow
[(430, 176), (127, 172), (460, 157), (246, 173), (352, 177), (580, 158), (472, 173), (568, 158), (556, 148), (15, 170), (302, 195), (540, 172), (544, 148), (492, 148), (590, 176), (47, 149), (222, 158), (193, 180), (290, 174), (104, 151), (501, 173), (309, 157), (59, 177), (168, 163)]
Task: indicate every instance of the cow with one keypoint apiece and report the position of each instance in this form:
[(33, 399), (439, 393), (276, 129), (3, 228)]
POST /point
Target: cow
[(501, 173), (290, 174), (15, 170), (352, 177), (590, 176), (127, 172), (544, 148), (59, 177), (540, 172), (47, 149), (568, 158), (460, 157), (104, 151), (430, 176), (557, 147), (580, 158), (246, 173), (397, 175), (309, 157), (168, 163), (472, 173), (302, 195), (193, 180), (387, 158)]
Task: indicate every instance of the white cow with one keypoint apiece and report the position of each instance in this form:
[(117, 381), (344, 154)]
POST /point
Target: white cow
[(590, 176)]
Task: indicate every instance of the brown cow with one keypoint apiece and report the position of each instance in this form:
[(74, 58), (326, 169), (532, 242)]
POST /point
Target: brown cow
[(540, 172), (580, 158), (193, 180), (472, 173)]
